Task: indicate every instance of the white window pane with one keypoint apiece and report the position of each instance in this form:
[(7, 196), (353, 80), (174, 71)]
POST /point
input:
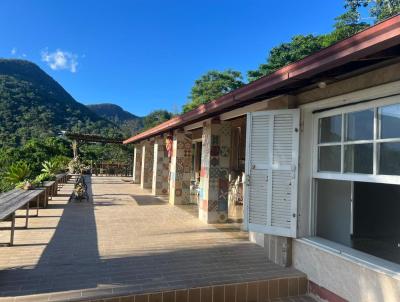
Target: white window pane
[(390, 121), (360, 125), (358, 158), (389, 159), (330, 129), (329, 159)]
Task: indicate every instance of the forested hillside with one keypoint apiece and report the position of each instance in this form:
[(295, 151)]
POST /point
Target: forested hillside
[(32, 104), (128, 122)]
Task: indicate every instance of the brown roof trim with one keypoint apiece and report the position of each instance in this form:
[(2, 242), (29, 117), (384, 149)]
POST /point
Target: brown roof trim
[(371, 40)]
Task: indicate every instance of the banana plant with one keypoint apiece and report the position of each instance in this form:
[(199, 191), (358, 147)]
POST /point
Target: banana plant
[(49, 167)]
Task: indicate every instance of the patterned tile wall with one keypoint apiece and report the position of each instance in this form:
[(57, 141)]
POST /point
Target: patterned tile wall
[(179, 190), (214, 175), (147, 165), (137, 163), (160, 168)]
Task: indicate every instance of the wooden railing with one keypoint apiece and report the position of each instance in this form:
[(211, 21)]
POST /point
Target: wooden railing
[(111, 169)]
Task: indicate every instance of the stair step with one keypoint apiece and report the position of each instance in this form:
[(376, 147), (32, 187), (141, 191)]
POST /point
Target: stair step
[(286, 289), (304, 298)]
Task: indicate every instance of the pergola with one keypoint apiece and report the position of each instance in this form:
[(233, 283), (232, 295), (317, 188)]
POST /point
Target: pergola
[(79, 138)]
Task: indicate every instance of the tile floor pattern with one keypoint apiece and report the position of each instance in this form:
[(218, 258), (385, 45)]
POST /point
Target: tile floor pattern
[(124, 242)]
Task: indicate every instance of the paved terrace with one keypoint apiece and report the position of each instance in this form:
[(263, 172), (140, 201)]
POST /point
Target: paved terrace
[(125, 242)]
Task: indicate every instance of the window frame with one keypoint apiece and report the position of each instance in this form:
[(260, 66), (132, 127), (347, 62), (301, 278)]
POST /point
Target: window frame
[(374, 177)]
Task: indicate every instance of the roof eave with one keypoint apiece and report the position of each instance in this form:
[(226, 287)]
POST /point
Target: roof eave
[(374, 39)]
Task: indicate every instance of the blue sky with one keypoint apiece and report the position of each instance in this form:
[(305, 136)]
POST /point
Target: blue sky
[(145, 55)]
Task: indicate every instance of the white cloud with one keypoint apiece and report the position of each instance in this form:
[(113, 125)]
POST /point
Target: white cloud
[(60, 59), (13, 51)]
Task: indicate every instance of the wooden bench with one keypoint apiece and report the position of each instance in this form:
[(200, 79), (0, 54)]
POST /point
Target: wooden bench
[(61, 179), (50, 190), (16, 199)]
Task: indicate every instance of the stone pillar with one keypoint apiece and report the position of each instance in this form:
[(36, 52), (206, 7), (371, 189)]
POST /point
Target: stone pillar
[(147, 165), (179, 189), (214, 182), (137, 163), (160, 168)]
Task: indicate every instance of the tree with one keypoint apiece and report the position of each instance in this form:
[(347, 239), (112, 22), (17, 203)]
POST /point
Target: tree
[(299, 47), (155, 118), (378, 9), (211, 86), (345, 26)]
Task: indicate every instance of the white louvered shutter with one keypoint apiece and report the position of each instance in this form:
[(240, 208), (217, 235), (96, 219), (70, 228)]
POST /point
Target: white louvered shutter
[(271, 171)]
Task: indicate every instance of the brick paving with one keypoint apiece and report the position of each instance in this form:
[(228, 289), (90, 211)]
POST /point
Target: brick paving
[(124, 242)]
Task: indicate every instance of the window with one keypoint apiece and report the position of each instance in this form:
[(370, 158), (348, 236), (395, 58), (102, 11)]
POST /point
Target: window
[(362, 141), (360, 215), (356, 177)]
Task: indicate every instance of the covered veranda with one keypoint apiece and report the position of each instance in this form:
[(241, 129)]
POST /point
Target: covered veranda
[(126, 242)]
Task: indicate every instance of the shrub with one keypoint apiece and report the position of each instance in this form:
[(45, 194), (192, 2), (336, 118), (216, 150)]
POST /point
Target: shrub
[(49, 167), (17, 172), (43, 177), (61, 162)]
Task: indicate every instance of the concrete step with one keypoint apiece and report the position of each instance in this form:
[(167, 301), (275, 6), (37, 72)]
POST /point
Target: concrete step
[(287, 289), (303, 298)]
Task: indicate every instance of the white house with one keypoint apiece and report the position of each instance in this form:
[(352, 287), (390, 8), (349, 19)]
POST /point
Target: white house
[(307, 157)]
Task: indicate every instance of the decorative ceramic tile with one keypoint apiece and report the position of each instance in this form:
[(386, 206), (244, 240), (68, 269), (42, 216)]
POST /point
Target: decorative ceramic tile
[(214, 172), (215, 164), (215, 150), (214, 161), (212, 205), (214, 140), (222, 206), (224, 151)]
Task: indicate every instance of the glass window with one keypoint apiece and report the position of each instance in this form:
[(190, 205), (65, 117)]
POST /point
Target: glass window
[(352, 142), (360, 125), (330, 129), (329, 159), (358, 158), (389, 159), (390, 121)]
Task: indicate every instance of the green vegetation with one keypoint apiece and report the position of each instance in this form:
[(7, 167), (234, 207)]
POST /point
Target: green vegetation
[(35, 109), (32, 104), (378, 9), (215, 83), (126, 121), (155, 118), (16, 162), (211, 86), (286, 53), (301, 46), (17, 172)]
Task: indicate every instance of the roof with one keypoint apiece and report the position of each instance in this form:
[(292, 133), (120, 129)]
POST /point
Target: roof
[(92, 138), (366, 43)]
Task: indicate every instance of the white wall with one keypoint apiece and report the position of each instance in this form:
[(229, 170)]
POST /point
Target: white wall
[(347, 278)]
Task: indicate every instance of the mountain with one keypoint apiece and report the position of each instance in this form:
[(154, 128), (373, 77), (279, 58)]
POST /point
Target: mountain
[(112, 112), (32, 104), (128, 122)]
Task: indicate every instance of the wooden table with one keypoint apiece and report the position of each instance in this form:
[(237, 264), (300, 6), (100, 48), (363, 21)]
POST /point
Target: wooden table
[(61, 179), (50, 191), (13, 200)]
